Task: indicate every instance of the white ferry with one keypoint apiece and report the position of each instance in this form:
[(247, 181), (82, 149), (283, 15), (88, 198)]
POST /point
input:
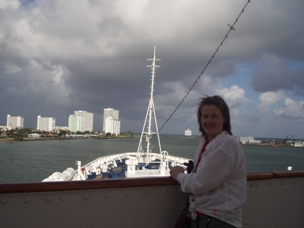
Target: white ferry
[(188, 133)]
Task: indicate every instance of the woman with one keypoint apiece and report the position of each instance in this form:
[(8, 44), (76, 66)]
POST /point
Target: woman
[(218, 179)]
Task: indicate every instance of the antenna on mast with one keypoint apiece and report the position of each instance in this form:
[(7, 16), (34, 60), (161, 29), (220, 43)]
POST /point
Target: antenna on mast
[(150, 115)]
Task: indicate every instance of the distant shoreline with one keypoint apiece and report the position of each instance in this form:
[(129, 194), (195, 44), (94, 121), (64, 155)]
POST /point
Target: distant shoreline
[(115, 137), (60, 138), (265, 144), (7, 140)]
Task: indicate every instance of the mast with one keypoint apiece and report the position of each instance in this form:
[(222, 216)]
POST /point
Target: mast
[(150, 115)]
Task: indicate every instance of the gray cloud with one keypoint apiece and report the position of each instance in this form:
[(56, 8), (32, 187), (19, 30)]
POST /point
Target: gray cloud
[(277, 74)]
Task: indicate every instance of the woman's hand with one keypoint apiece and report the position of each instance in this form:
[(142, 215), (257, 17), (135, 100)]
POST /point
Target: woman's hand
[(175, 171)]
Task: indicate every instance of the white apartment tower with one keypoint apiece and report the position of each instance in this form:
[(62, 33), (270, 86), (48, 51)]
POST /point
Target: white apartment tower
[(46, 123), (13, 122), (111, 122), (74, 123), (81, 121)]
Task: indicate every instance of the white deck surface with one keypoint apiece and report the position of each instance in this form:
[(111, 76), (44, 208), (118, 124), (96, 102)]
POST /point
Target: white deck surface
[(147, 173)]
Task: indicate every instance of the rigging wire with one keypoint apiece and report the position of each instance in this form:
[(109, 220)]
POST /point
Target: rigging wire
[(231, 27)]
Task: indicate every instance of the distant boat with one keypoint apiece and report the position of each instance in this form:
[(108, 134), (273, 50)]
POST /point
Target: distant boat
[(188, 133)]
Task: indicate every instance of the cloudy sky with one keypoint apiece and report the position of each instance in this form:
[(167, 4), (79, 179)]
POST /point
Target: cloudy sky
[(60, 56)]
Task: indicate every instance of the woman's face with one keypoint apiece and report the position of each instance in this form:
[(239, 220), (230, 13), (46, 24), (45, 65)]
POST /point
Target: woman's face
[(212, 121)]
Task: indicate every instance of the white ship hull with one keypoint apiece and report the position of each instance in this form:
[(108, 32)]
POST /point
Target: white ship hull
[(161, 163)]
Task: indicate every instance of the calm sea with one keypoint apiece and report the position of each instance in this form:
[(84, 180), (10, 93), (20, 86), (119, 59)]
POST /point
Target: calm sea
[(22, 162)]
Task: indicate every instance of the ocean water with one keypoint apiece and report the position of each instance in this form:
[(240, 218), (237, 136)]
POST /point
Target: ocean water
[(33, 161)]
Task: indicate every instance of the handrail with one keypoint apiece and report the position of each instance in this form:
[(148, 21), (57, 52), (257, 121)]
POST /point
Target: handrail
[(274, 174), (85, 185), (122, 183)]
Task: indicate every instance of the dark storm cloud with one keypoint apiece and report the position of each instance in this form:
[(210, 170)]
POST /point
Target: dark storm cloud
[(110, 83), (277, 74), (279, 40), (298, 76), (272, 76)]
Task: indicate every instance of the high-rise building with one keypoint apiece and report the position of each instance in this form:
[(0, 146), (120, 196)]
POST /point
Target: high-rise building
[(13, 122), (81, 121), (74, 123), (45, 123), (111, 122)]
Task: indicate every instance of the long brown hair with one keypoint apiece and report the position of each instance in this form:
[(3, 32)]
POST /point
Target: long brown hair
[(223, 107)]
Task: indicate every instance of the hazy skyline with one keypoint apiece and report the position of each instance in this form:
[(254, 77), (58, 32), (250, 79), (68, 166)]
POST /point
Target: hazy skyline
[(60, 56)]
